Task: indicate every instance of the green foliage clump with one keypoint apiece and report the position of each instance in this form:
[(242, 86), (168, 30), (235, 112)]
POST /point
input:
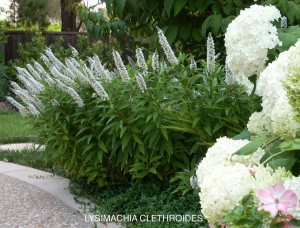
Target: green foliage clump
[(143, 136), (141, 199)]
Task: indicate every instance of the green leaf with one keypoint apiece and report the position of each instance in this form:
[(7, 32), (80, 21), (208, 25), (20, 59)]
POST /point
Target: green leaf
[(195, 121), (153, 170), (295, 222), (92, 16), (225, 22), (252, 146), (164, 132), (119, 7), (132, 6), (213, 22), (141, 174), (88, 147), (196, 34), (207, 128), (168, 6), (125, 140), (137, 139), (217, 127), (178, 5), (100, 156), (102, 146), (202, 5), (137, 167), (89, 27), (289, 145), (287, 39), (96, 30), (238, 3), (184, 32), (243, 135), (171, 33), (287, 161)]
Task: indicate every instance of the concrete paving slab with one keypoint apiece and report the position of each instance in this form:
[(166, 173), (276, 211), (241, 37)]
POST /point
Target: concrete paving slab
[(22, 146), (54, 185)]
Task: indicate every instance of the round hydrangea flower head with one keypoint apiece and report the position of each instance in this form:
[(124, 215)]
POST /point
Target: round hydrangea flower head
[(248, 38), (219, 154), (223, 189), (294, 184), (260, 124)]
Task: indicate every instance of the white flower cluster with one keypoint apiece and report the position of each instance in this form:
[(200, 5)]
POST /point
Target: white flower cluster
[(141, 62), (248, 38), (219, 153), (224, 179), (141, 82), (166, 47), (294, 184), (121, 67), (211, 56), (277, 116), (155, 61)]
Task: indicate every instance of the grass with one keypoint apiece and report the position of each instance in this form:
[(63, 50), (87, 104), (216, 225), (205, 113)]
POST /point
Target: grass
[(35, 159), (15, 129)]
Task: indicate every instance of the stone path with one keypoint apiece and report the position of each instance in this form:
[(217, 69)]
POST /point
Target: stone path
[(33, 198)]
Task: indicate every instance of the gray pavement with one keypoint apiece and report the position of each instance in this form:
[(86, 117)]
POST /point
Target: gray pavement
[(34, 198)]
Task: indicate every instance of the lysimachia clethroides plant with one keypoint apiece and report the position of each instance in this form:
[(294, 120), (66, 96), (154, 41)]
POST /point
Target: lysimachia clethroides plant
[(149, 119), (69, 75)]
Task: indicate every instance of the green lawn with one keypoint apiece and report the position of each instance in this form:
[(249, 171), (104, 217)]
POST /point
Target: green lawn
[(14, 129)]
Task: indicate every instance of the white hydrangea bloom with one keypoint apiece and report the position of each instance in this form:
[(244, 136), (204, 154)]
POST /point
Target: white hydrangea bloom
[(219, 154), (269, 83), (277, 115), (248, 38), (249, 160), (223, 189), (260, 123), (282, 116), (294, 184), (266, 176)]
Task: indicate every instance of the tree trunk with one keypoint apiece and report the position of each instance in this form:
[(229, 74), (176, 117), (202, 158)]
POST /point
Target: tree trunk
[(68, 15)]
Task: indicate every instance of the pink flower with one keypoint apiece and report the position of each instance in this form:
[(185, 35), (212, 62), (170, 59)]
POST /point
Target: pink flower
[(252, 172), (276, 198)]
